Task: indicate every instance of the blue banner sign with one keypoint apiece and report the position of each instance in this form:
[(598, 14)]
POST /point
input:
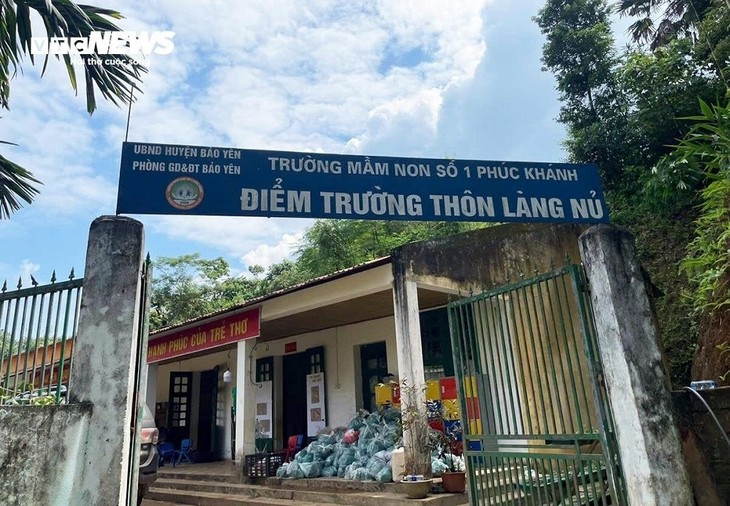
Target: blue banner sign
[(196, 180)]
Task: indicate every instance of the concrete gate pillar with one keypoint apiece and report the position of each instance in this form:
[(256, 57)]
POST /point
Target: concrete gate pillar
[(245, 402), (410, 354), (638, 391), (105, 359)]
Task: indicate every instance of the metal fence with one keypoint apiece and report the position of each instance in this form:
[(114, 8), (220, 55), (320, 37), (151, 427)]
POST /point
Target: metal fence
[(37, 326), (537, 429)]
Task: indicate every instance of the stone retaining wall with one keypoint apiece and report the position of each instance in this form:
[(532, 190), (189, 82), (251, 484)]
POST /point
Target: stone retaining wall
[(705, 450)]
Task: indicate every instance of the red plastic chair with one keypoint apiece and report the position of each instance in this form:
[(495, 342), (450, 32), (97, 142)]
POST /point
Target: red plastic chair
[(293, 446)]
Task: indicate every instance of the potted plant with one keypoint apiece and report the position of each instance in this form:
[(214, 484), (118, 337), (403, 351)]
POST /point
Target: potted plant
[(453, 480), (418, 442)]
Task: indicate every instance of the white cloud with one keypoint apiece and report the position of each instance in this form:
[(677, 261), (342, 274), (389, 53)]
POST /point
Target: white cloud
[(399, 77), (10, 274), (283, 75), (400, 127), (27, 268), (257, 240), (266, 255), (57, 144), (312, 80)]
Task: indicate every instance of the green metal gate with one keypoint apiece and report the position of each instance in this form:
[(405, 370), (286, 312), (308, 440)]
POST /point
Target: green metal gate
[(537, 428), (37, 327)]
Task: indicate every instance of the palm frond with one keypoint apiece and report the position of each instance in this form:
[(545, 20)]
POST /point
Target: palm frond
[(63, 18), (642, 30), (669, 19), (16, 184), (115, 78)]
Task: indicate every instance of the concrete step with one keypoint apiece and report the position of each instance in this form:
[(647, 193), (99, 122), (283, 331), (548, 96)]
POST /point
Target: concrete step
[(286, 490), (198, 498), (220, 487), (222, 473), (203, 493), (495, 482), (336, 484), (229, 476)]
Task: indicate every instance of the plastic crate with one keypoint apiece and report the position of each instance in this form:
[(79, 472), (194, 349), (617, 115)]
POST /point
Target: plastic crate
[(262, 465)]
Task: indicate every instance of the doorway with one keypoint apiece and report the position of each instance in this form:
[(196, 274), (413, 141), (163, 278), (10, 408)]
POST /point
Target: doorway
[(295, 369), (206, 442), (181, 390), (264, 404), (374, 364)]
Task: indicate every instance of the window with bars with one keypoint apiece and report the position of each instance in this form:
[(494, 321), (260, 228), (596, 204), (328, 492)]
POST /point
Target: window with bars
[(180, 395), (316, 360), (264, 369)]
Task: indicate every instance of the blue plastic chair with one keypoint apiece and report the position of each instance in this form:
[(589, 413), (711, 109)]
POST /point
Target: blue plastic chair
[(186, 446), (167, 452)]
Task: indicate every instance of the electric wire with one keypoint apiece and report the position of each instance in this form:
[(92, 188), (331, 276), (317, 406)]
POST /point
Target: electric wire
[(712, 413)]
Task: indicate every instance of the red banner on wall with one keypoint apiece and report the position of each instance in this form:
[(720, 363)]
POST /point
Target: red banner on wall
[(203, 337)]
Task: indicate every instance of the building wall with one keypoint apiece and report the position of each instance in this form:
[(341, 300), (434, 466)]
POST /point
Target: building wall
[(488, 257), (222, 359), (342, 373), (48, 357), (342, 357)]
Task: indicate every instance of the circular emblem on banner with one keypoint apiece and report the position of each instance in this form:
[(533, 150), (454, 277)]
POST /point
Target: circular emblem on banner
[(184, 193)]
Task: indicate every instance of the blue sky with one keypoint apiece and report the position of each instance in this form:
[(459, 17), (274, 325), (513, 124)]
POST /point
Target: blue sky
[(421, 78)]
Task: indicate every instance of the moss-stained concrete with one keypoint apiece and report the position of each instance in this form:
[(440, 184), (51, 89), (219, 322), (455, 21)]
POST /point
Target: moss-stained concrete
[(41, 453), (489, 257), (83, 453), (648, 440)]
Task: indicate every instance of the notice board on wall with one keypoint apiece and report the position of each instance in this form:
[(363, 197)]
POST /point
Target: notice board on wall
[(264, 404), (315, 403)]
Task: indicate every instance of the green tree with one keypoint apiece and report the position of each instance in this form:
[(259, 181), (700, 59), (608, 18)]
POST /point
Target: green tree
[(9, 345), (579, 52), (700, 164), (623, 111), (332, 245), (705, 154), (60, 18), (280, 276), (189, 286)]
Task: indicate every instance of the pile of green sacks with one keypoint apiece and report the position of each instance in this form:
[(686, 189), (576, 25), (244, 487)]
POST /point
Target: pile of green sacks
[(361, 451)]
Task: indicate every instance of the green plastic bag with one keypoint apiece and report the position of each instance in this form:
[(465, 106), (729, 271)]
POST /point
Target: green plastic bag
[(375, 465), (362, 474), (329, 471), (311, 469), (385, 475)]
